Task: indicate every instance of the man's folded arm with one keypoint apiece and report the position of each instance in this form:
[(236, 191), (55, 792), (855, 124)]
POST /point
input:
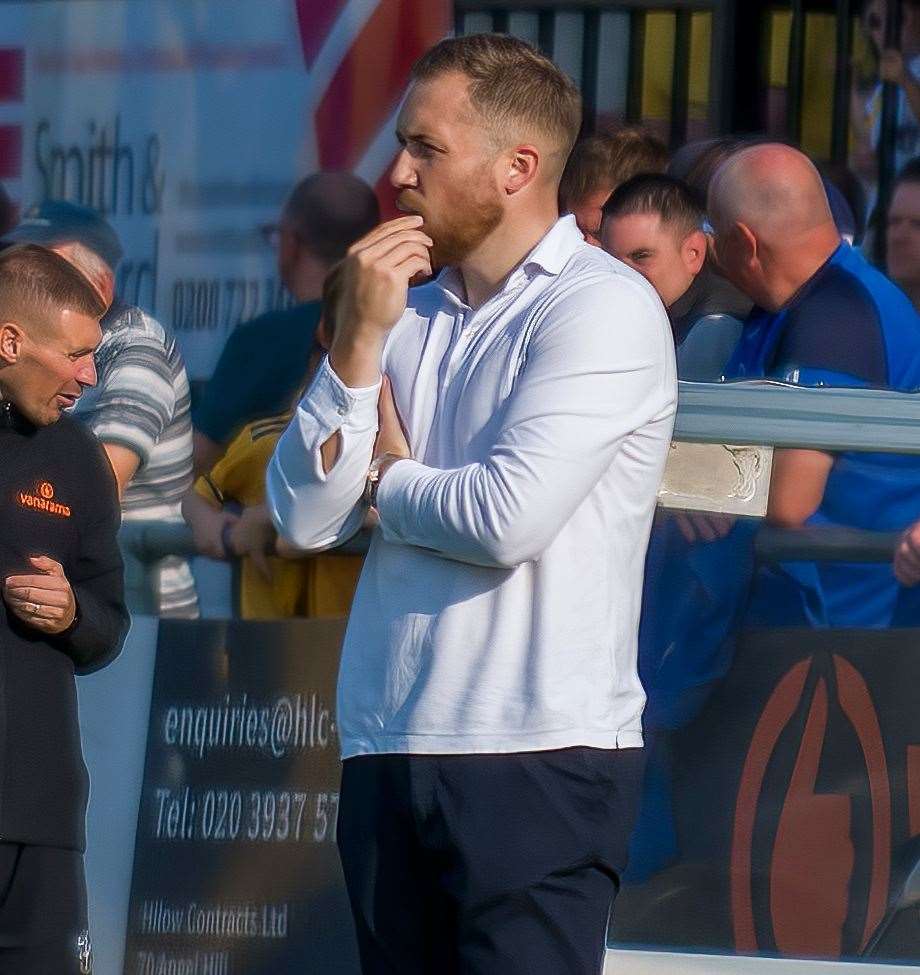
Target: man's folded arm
[(314, 509), (97, 579), (589, 381)]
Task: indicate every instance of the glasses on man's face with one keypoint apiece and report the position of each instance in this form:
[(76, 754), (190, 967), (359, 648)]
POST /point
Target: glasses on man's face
[(271, 234)]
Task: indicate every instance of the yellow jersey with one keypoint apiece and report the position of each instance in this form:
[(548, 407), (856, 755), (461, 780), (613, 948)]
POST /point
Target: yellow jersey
[(314, 586)]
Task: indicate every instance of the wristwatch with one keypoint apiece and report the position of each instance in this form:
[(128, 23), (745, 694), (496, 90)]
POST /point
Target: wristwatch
[(373, 477)]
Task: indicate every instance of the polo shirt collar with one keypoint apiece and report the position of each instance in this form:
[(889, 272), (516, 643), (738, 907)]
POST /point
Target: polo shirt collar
[(560, 242)]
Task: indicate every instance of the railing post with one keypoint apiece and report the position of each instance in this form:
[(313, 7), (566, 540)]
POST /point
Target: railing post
[(680, 78), (888, 135), (796, 73), (843, 81)]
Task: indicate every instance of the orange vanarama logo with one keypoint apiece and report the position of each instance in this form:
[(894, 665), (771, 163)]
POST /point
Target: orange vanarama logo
[(42, 500)]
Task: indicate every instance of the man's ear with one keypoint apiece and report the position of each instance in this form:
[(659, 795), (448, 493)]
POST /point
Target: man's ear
[(523, 165), (747, 241), (693, 251), (11, 336)]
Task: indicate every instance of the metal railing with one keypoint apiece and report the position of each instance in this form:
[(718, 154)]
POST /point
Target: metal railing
[(823, 418), (761, 413)]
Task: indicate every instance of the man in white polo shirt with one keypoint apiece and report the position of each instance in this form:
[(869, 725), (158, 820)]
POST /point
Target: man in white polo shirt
[(489, 708)]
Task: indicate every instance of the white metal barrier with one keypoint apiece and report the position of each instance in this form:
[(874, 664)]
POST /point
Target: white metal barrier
[(664, 963)]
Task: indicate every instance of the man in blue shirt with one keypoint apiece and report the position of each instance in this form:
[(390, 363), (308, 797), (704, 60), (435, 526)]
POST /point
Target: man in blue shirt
[(264, 361), (825, 317)]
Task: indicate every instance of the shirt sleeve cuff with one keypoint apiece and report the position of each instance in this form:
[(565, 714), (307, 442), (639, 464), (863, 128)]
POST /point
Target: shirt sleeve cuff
[(207, 489), (335, 405), (122, 436)]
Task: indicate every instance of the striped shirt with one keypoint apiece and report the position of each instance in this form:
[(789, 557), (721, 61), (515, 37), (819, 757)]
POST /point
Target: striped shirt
[(141, 401)]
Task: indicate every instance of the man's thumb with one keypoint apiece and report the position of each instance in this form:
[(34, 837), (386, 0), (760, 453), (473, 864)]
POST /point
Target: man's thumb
[(46, 565)]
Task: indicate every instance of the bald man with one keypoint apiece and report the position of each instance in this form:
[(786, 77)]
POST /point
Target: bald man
[(825, 318)]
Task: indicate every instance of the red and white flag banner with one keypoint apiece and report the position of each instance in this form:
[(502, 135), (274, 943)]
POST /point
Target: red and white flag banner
[(186, 124)]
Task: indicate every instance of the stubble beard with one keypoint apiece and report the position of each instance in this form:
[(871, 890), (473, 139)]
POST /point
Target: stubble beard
[(468, 219)]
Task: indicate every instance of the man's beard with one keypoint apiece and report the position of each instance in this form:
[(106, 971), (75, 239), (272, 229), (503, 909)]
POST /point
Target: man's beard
[(466, 225)]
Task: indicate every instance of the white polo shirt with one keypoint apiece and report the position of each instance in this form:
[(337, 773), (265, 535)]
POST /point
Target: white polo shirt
[(499, 604)]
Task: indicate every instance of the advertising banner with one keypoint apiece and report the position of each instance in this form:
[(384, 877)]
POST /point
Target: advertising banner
[(782, 818), (236, 870), (779, 819), (186, 124)]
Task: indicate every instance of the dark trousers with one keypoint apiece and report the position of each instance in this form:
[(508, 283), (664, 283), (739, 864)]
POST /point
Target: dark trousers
[(42, 911), (486, 864)]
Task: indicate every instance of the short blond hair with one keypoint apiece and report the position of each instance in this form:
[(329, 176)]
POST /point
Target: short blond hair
[(517, 90)]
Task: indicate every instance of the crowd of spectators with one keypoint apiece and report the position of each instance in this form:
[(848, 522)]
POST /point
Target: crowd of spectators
[(753, 233), (756, 256)]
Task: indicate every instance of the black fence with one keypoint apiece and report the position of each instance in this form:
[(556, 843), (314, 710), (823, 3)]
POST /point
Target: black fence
[(608, 47), (735, 45)]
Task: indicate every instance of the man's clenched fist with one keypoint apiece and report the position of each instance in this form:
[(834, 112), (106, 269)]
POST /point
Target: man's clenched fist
[(45, 600), (377, 272)]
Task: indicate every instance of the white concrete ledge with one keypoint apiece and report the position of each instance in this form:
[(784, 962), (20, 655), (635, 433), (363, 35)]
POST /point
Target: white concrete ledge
[(619, 962)]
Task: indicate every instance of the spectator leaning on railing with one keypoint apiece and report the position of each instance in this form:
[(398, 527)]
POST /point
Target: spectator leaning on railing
[(825, 317), (262, 364), (139, 409), (228, 516)]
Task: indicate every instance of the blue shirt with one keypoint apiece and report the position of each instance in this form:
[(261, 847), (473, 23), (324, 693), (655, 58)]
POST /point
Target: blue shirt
[(848, 326), (260, 369)]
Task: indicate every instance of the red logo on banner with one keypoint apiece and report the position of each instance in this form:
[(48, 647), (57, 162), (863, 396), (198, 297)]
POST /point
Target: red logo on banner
[(811, 872), (12, 74)]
